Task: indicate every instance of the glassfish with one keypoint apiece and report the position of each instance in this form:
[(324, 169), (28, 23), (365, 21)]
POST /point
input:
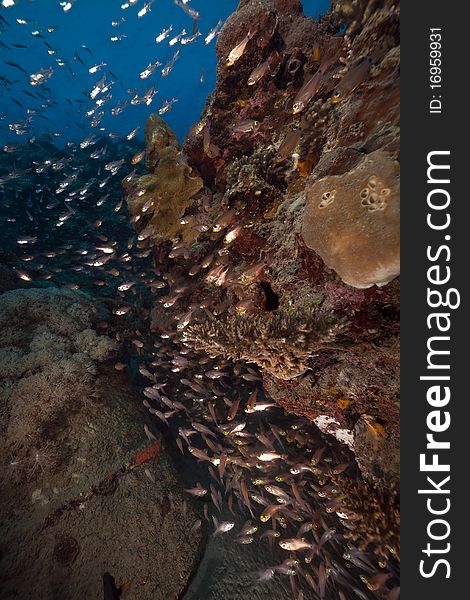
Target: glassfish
[(307, 92), (352, 79), (239, 50)]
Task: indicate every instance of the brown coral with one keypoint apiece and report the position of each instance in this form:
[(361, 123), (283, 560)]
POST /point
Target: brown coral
[(353, 221), (160, 142), (280, 344), (161, 198)]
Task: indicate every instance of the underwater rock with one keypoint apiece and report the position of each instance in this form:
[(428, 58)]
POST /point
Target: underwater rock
[(342, 388), (353, 221), (159, 199), (84, 491), (377, 450)]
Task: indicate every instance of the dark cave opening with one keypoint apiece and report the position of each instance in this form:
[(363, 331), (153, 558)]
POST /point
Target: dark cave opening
[(272, 299)]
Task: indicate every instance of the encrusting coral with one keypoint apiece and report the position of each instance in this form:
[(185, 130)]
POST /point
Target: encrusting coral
[(353, 221), (161, 198), (160, 142)]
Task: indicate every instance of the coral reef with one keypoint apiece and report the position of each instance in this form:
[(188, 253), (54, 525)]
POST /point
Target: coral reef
[(347, 142), (290, 260), (82, 486), (49, 357), (163, 196)]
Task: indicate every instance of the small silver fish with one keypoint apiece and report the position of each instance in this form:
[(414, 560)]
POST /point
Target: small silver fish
[(307, 92), (170, 64), (294, 544), (269, 456), (177, 38), (352, 79), (189, 10), (237, 52), (197, 525), (41, 76), (288, 146), (223, 527), (190, 38), (213, 32), (144, 10), (150, 69), (164, 34), (245, 126), (197, 491), (258, 73)]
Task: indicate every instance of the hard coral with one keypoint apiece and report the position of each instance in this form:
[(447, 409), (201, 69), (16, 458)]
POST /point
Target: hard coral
[(379, 525), (280, 343), (353, 221)]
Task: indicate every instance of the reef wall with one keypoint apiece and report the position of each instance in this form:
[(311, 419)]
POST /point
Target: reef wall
[(288, 255), (282, 251)]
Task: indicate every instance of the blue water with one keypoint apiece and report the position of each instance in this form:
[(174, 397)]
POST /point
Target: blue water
[(88, 23)]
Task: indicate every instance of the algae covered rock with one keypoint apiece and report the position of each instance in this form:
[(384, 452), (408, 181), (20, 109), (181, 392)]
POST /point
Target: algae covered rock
[(157, 201), (353, 221), (377, 450)]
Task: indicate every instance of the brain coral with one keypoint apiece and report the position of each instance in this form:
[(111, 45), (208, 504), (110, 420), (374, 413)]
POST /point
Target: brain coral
[(353, 221)]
